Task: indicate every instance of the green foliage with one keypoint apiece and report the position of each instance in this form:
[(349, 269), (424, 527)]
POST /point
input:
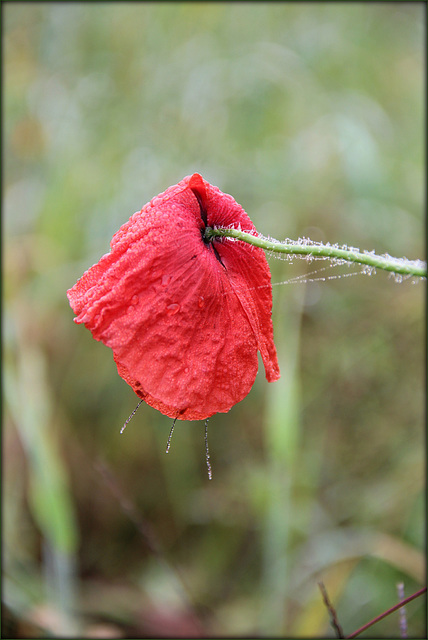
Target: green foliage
[(311, 116)]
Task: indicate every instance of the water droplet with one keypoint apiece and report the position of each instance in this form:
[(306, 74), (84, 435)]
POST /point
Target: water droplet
[(201, 302), (166, 279), (172, 308), (186, 370), (134, 300)]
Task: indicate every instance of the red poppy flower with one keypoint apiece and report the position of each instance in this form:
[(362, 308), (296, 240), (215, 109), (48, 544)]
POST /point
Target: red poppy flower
[(184, 317)]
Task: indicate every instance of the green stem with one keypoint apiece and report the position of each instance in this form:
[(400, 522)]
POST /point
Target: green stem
[(305, 247)]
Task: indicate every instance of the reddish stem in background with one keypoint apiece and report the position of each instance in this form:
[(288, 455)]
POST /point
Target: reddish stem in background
[(386, 613)]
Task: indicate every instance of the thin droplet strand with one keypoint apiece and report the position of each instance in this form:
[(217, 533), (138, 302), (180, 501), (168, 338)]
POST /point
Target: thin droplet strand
[(130, 417), (207, 452), (168, 442)]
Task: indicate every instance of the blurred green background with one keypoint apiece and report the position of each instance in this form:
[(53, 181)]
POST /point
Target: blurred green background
[(312, 117)]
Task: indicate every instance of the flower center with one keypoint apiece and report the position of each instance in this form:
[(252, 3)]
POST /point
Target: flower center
[(201, 207), (206, 240)]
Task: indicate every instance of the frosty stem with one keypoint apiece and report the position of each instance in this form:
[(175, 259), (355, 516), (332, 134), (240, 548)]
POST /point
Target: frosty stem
[(305, 247)]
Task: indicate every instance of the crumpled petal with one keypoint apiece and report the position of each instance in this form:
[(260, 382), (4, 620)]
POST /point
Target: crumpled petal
[(184, 318)]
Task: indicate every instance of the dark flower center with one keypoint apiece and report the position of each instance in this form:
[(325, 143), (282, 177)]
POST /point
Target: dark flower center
[(201, 207), (207, 241)]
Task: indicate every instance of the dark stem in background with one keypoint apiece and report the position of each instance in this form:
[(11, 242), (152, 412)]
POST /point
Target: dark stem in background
[(333, 616)]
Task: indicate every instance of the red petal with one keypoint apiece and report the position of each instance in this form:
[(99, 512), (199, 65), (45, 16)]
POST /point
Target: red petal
[(185, 322)]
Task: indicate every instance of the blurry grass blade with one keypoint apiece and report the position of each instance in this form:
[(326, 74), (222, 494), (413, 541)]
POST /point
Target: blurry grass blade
[(282, 422), (49, 494)]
